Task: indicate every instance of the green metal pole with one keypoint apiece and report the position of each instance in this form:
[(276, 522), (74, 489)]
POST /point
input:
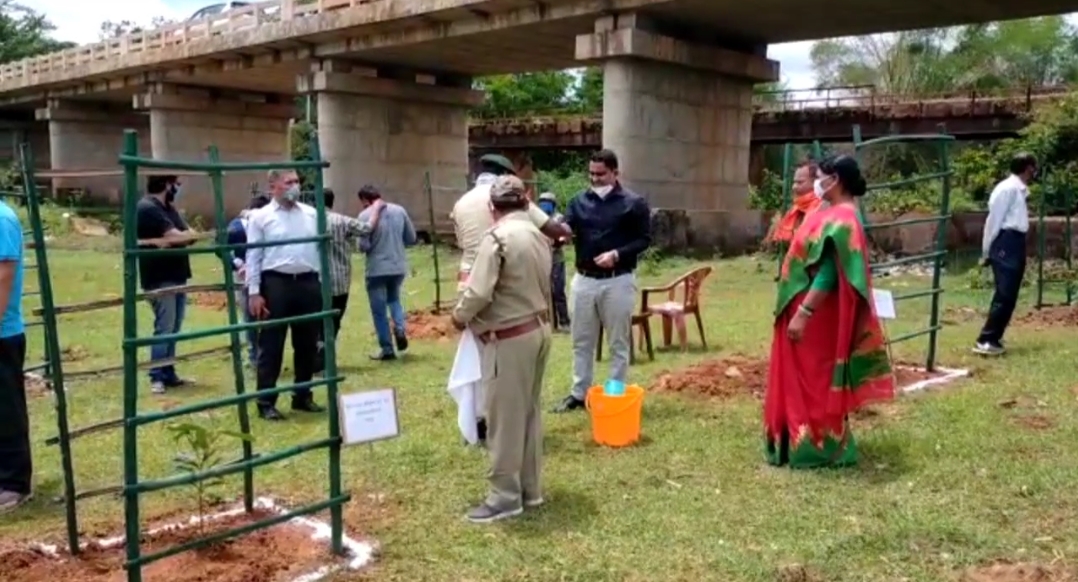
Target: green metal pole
[(235, 340), (941, 246), (817, 150), (1041, 244), (433, 242), (130, 384), (787, 195), (1068, 240), (52, 345), (336, 512)]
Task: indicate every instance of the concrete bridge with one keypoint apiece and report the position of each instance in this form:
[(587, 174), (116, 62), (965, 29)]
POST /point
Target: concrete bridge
[(393, 84)]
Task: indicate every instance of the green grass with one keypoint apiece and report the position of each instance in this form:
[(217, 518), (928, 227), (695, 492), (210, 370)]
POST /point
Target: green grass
[(948, 479)]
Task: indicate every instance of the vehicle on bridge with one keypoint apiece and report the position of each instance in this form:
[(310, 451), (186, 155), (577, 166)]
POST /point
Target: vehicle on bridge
[(222, 8)]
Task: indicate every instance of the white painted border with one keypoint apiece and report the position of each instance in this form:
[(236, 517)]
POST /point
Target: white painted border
[(359, 554), (949, 375)]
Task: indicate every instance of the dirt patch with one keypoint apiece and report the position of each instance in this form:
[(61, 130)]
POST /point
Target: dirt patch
[(430, 325), (280, 553), (1027, 412), (907, 374), (797, 573), (36, 384), (1020, 572), (1062, 316), (725, 378), (73, 353), (215, 300)]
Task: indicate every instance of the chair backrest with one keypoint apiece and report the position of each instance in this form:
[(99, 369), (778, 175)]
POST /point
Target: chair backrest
[(692, 282)]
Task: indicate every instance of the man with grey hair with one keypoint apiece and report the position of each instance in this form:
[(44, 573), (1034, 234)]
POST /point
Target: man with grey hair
[(283, 281)]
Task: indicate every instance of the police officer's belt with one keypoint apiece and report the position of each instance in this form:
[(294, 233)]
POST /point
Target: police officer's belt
[(511, 331)]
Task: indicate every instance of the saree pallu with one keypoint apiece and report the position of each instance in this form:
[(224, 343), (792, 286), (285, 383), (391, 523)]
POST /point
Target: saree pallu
[(840, 362)]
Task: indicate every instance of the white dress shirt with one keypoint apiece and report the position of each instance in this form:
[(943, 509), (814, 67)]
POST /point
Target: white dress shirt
[(274, 222), (1006, 210)]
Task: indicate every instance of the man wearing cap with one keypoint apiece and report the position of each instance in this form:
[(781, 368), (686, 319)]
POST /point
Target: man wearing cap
[(472, 218), (504, 302), (548, 203)]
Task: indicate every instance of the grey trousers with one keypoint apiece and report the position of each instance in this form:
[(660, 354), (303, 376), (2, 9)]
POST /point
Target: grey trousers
[(600, 303)]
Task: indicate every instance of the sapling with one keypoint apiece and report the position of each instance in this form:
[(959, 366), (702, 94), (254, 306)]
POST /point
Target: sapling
[(203, 454)]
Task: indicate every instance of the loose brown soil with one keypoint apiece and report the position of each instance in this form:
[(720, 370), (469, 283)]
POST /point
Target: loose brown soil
[(73, 353), (430, 325), (725, 378), (36, 385), (1020, 572), (1027, 412), (1064, 316), (280, 553), (215, 300), (907, 374)]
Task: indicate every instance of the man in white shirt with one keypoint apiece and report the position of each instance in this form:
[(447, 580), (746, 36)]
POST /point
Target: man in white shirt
[(283, 281), (1004, 249)]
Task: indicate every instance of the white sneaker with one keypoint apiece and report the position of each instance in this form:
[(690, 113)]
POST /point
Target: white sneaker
[(157, 387), (987, 349), (536, 502)]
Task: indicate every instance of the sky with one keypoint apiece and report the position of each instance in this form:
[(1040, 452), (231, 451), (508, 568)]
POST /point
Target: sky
[(80, 21)]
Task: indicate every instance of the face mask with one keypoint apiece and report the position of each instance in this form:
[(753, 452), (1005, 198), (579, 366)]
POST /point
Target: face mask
[(173, 193), (546, 206), (601, 191), (292, 193), (818, 189)]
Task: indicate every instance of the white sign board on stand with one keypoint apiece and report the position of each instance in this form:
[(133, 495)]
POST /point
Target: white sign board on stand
[(369, 416), (885, 304)]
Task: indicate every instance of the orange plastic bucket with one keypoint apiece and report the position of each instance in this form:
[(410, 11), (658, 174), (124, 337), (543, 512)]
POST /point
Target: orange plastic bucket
[(615, 420)]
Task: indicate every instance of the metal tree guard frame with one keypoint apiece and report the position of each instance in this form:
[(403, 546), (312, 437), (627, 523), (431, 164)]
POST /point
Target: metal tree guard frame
[(942, 172), (1046, 281), (132, 487)]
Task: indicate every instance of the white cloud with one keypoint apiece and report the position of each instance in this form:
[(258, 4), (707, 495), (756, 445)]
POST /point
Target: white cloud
[(80, 20), (795, 64)]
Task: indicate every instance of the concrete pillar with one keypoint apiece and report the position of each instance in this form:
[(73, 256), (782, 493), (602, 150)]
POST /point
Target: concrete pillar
[(678, 113), (390, 132), (186, 121), (757, 164), (84, 137)]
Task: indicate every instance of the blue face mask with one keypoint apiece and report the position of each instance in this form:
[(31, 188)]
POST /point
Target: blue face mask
[(547, 206)]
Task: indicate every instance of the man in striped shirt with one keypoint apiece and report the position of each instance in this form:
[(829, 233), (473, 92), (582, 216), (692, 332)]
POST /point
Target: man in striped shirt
[(345, 233)]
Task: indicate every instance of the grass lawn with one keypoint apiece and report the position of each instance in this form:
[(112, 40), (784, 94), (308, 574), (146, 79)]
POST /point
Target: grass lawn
[(979, 470)]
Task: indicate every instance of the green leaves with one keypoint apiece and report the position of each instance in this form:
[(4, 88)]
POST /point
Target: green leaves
[(25, 33), (203, 453)]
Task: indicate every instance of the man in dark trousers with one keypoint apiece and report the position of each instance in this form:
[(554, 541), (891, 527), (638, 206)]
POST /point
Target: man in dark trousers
[(1004, 249), (15, 462), (237, 235), (159, 224), (548, 203), (283, 281)]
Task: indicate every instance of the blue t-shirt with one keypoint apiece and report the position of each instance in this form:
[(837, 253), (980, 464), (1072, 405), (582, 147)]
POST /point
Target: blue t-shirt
[(11, 323)]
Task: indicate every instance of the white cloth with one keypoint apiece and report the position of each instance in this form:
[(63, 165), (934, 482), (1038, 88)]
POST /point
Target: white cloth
[(466, 387), (273, 222), (1006, 210)]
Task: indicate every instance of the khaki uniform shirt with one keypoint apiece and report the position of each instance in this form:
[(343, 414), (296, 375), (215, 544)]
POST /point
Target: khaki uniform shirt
[(510, 277), (472, 219)]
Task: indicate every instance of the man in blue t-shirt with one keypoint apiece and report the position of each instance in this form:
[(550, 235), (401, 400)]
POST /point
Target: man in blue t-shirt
[(15, 462)]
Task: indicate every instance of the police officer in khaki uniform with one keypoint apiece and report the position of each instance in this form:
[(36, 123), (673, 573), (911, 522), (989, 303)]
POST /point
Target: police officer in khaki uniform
[(472, 219), (505, 302)]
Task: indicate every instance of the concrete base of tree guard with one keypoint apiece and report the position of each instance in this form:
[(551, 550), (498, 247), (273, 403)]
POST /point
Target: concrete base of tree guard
[(358, 554), (946, 376)]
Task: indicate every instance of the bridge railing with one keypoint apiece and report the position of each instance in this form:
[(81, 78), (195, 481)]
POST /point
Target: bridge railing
[(868, 98), (238, 19)]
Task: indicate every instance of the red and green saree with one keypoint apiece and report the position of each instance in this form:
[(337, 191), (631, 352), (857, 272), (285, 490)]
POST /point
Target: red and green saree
[(841, 361)]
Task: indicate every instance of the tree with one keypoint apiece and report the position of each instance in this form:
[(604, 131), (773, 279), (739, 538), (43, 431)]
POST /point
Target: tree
[(25, 33), (525, 94), (110, 29)]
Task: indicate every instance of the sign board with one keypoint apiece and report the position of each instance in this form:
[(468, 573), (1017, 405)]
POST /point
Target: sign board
[(369, 416), (885, 304)]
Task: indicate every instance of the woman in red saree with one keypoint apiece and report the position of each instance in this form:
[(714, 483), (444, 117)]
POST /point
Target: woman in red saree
[(828, 355)]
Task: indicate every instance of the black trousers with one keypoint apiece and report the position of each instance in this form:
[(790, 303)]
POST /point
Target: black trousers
[(288, 296), (1007, 257), (557, 292), (16, 465), (340, 304)]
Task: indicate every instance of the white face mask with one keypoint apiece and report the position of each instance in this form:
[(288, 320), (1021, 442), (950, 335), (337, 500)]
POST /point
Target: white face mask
[(817, 187), (602, 191), (292, 193)]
